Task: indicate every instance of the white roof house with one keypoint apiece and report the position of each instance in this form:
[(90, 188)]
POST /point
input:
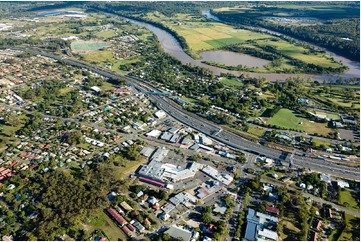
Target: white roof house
[(160, 114), (95, 89), (154, 133), (342, 184)]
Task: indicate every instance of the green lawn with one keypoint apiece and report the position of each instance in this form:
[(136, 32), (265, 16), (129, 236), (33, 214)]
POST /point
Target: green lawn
[(231, 82), (288, 119), (346, 197), (7, 132), (256, 131), (319, 142)]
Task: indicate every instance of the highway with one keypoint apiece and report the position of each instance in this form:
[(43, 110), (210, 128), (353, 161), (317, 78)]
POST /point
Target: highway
[(211, 129)]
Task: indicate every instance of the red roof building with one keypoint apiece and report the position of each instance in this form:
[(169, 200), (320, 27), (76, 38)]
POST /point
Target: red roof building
[(126, 230), (273, 210), (131, 227), (115, 215)]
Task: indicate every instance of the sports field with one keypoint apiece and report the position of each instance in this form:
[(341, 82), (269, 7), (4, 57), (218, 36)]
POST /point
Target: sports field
[(288, 119), (88, 45)]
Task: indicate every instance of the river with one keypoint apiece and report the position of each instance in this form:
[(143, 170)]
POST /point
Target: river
[(171, 46)]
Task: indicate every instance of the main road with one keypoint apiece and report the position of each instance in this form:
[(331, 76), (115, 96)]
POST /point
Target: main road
[(211, 129)]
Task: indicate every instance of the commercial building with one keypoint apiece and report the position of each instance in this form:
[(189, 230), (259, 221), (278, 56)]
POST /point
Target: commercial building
[(261, 226), (212, 172)]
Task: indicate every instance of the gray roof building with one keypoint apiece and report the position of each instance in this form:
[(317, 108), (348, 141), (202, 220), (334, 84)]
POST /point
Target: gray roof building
[(179, 233)]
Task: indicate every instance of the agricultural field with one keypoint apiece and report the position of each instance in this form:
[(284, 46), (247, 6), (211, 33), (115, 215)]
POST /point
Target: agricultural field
[(288, 119), (88, 45)]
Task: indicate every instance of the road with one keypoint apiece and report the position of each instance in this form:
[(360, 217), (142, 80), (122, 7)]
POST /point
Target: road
[(208, 128), (314, 198)]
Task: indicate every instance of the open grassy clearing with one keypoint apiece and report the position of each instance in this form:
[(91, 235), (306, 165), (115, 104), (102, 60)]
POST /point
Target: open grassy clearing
[(101, 221), (297, 52), (267, 95), (288, 119), (7, 132), (88, 45), (287, 227), (352, 227), (340, 100), (256, 131), (347, 198), (319, 142), (99, 56), (328, 115), (106, 34), (231, 82)]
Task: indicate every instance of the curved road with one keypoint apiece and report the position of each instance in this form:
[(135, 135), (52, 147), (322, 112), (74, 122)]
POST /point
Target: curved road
[(211, 129)]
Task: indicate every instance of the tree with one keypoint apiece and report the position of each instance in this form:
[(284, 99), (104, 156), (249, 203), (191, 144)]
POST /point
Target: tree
[(206, 218), (74, 137), (12, 119)]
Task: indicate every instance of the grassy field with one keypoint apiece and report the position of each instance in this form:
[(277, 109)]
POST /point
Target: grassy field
[(288, 119), (256, 131), (319, 142), (7, 132), (297, 52), (106, 34), (231, 82), (267, 95), (346, 197), (101, 221), (328, 115), (88, 45), (352, 228), (288, 227), (99, 57)]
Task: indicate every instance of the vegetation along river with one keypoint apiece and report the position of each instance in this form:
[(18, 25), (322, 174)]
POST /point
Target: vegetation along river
[(172, 47)]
